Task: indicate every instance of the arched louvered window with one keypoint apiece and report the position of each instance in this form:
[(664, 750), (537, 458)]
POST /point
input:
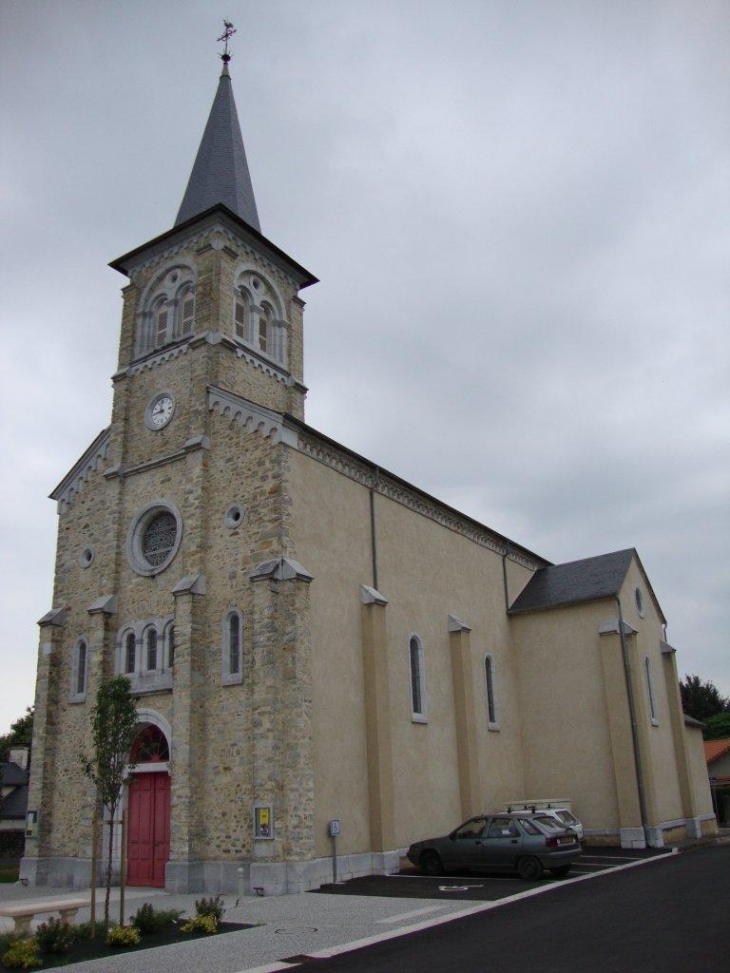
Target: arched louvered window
[(161, 321), (242, 315), (186, 307)]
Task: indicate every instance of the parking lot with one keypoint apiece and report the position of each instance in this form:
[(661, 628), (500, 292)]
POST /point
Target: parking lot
[(481, 886)]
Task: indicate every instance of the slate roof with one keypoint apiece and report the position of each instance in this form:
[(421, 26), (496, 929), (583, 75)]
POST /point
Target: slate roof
[(11, 775), (15, 804), (220, 172), (575, 582)]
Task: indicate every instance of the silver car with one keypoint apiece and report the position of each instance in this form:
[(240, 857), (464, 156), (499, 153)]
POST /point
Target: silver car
[(524, 843)]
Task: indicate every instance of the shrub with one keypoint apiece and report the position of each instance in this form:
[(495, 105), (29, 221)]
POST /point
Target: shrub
[(211, 907), (6, 941), (82, 930), (122, 937), (201, 923), (149, 920), (22, 955), (55, 936)]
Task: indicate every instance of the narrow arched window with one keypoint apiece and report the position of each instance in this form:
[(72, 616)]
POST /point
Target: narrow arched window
[(187, 311), (418, 680), (130, 653), (650, 690), (79, 671), (234, 644), (151, 648), (232, 648), (491, 693)]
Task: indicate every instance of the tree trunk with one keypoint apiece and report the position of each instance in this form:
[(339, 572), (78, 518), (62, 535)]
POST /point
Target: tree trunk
[(109, 874)]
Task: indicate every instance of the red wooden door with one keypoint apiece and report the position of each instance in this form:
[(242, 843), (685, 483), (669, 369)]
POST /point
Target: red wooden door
[(148, 831)]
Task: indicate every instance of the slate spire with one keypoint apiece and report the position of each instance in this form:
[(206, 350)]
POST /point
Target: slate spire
[(220, 173)]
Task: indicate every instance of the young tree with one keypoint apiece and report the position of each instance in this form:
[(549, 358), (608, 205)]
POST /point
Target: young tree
[(702, 700), (114, 723), (718, 727)]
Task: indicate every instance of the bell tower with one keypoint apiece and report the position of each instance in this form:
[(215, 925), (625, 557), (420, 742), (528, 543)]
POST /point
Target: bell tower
[(213, 293)]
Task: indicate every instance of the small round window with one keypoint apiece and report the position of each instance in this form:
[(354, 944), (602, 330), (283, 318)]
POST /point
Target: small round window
[(154, 538), (233, 516)]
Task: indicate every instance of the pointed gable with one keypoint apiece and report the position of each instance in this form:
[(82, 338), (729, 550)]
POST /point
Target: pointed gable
[(220, 173)]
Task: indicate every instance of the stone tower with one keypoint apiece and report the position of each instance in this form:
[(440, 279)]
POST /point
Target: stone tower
[(175, 564)]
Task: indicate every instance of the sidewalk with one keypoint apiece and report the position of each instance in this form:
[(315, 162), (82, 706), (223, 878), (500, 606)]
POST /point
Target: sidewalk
[(290, 926)]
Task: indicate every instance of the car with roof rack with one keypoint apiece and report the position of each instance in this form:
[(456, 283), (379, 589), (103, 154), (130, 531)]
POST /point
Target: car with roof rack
[(557, 808), (518, 841)]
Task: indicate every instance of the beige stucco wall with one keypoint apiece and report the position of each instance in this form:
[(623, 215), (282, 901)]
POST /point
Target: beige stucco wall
[(426, 572)]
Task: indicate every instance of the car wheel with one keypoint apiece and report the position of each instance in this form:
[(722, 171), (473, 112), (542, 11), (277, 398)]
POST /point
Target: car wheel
[(560, 872), (529, 868), (431, 864)]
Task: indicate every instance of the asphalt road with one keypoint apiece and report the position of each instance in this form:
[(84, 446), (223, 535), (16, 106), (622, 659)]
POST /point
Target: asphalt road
[(670, 916)]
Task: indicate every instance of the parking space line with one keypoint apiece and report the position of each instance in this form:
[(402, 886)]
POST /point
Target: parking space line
[(412, 915)]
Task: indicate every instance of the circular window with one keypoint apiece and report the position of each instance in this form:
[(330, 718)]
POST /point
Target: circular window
[(154, 538), (639, 601), (234, 516), (86, 557)]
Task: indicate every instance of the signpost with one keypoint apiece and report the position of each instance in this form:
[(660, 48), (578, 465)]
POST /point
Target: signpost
[(334, 830)]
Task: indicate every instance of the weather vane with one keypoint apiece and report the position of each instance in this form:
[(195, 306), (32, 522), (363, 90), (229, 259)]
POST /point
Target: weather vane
[(227, 33)]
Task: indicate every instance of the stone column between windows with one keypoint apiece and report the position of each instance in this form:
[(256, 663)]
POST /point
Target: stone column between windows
[(188, 733), (34, 864), (470, 790), (283, 744), (622, 748), (377, 720), (679, 735)]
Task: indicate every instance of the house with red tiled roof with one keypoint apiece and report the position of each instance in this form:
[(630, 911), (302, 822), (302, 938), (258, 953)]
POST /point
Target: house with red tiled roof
[(717, 755)]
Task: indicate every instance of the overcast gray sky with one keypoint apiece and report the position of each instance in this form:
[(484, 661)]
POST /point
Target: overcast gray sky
[(518, 210)]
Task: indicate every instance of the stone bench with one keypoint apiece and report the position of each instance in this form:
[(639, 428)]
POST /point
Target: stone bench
[(25, 912)]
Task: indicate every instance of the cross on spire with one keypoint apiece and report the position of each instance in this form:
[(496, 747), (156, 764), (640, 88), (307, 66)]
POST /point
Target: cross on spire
[(229, 31)]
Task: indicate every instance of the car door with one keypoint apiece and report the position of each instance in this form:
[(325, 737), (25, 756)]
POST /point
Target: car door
[(464, 850), (501, 844)]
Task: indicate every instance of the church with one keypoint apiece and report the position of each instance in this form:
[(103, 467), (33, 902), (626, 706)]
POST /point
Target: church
[(323, 655)]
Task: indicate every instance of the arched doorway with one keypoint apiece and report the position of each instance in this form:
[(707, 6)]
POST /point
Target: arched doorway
[(148, 809)]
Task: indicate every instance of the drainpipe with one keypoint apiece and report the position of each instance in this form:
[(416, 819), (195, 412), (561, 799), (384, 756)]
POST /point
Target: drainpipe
[(634, 728), (504, 575), (373, 539)]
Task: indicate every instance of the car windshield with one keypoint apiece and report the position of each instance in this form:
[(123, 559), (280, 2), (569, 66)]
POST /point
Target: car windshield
[(567, 818), (548, 824)]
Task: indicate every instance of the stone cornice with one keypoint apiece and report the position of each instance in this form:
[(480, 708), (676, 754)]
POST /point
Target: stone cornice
[(82, 470), (191, 446), (252, 417)]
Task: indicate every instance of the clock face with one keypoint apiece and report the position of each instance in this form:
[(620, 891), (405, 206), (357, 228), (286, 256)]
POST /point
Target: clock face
[(160, 411)]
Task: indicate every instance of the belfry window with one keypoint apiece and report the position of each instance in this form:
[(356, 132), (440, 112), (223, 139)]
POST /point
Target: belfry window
[(257, 317), (168, 310)]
